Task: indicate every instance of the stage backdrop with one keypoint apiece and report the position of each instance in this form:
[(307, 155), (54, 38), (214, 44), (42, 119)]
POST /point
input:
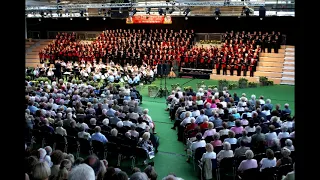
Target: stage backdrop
[(286, 25)]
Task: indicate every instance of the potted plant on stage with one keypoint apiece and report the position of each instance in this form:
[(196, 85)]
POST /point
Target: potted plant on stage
[(252, 84), (212, 86), (243, 83), (174, 86), (270, 83), (152, 90), (263, 81), (232, 86), (222, 83), (187, 88), (201, 85)]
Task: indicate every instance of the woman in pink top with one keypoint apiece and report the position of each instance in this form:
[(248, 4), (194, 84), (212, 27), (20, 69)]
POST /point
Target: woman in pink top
[(216, 140), (238, 128), (210, 131), (249, 163)]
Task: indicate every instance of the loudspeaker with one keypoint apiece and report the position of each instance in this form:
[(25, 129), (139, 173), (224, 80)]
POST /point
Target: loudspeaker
[(166, 69), (160, 69), (262, 12)]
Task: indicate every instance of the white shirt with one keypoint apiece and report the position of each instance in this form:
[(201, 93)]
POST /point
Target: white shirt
[(224, 154), (195, 113), (142, 125), (288, 124), (199, 94), (61, 131), (224, 132), (224, 104), (199, 102), (270, 136), (267, 163), (151, 73), (84, 135), (127, 123), (249, 114), (189, 103), (262, 102), (249, 129), (267, 113), (283, 135), (209, 155), (186, 121), (198, 144)]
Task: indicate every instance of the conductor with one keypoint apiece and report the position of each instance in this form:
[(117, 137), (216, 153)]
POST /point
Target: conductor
[(57, 72)]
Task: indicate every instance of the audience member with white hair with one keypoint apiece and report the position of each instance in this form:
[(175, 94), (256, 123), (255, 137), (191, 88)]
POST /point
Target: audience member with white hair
[(285, 159), (289, 144), (139, 176), (81, 172), (60, 130), (284, 132), (249, 163), (200, 92), (41, 171), (209, 154), (127, 123), (226, 152), (83, 134), (191, 148), (186, 120)]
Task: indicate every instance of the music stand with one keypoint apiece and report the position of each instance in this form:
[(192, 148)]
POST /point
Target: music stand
[(163, 72)]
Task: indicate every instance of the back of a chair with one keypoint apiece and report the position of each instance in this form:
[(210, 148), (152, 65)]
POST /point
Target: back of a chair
[(259, 157), (141, 153), (217, 149), (238, 135), (90, 131), (227, 163), (208, 139), (203, 130), (269, 173), (292, 155), (59, 139), (278, 155), (250, 174), (278, 131), (284, 169), (112, 147), (126, 150), (223, 137), (234, 147), (48, 137), (214, 163), (199, 152), (218, 129), (71, 140), (36, 133), (85, 145), (97, 146), (238, 160)]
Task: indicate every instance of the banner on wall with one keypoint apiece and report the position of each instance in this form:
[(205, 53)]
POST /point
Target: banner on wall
[(149, 19)]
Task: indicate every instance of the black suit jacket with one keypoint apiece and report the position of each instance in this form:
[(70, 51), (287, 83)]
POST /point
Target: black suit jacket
[(58, 68)]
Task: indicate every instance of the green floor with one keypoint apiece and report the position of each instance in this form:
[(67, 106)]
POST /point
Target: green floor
[(170, 158)]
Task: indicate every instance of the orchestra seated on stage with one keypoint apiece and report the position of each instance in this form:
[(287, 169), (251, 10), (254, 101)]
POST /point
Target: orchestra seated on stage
[(133, 75)]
